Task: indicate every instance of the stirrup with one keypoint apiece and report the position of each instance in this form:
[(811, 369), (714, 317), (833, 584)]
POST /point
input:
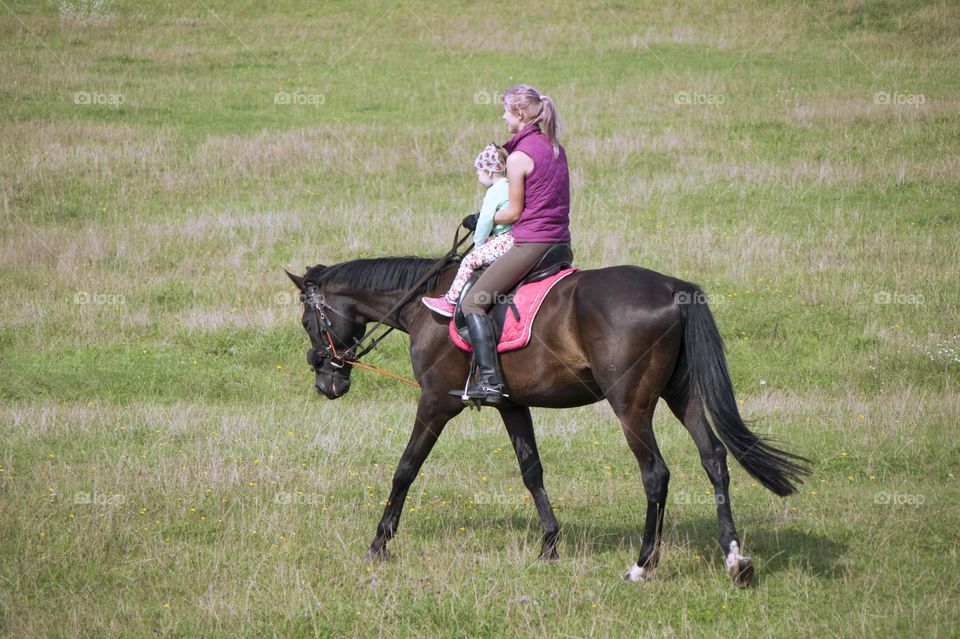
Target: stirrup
[(480, 395), (486, 395)]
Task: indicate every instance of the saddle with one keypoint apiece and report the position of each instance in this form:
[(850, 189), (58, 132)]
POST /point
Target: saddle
[(556, 259)]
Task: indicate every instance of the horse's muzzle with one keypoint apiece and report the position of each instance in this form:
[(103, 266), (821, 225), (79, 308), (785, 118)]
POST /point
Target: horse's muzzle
[(332, 386)]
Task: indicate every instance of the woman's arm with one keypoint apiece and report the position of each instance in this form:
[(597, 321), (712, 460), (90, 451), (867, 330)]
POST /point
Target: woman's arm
[(519, 166)]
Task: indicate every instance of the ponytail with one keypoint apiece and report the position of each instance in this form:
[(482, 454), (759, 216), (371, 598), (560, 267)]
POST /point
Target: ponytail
[(550, 122)]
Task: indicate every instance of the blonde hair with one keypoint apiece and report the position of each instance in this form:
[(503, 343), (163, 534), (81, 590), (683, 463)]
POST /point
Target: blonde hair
[(536, 108)]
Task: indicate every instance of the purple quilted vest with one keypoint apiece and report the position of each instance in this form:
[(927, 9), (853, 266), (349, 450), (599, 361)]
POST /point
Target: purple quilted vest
[(546, 199)]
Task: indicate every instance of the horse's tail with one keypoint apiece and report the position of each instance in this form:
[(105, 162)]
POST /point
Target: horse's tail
[(706, 371)]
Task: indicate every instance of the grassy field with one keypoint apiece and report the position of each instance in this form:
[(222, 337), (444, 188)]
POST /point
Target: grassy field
[(165, 465)]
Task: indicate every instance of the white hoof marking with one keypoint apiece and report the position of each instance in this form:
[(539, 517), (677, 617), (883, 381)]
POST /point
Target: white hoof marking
[(734, 556), (636, 573)]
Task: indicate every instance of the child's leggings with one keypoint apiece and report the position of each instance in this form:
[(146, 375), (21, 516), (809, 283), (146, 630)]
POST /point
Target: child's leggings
[(482, 255)]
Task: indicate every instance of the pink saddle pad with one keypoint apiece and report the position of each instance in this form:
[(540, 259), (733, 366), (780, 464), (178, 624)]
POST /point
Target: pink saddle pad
[(528, 299)]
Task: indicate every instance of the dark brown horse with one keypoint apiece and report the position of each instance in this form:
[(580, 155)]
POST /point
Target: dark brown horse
[(624, 334)]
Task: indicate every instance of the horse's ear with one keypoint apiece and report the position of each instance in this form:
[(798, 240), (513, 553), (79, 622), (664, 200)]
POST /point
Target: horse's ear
[(296, 279)]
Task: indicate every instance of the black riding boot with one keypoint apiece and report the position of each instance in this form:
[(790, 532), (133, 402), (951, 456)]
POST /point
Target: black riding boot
[(489, 385)]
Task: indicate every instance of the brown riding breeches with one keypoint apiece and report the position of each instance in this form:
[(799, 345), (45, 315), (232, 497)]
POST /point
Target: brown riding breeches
[(501, 276)]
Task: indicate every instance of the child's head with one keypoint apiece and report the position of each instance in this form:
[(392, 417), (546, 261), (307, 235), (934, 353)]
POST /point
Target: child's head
[(491, 163), (524, 105)]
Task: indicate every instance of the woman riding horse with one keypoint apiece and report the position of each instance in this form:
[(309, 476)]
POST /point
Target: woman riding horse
[(539, 210)]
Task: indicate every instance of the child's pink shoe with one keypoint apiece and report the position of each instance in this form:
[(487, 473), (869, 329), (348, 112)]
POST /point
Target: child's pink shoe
[(439, 305)]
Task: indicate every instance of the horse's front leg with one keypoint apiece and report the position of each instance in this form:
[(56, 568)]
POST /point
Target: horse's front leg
[(433, 413), (520, 428)]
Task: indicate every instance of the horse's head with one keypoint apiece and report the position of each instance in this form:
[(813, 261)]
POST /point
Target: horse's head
[(333, 329)]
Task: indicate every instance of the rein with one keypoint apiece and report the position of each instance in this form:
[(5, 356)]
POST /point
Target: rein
[(351, 357)]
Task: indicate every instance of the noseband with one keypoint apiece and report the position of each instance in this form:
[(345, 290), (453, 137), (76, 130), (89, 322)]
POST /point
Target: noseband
[(325, 331)]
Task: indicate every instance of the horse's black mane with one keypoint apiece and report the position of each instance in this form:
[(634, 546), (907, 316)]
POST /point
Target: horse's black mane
[(380, 274)]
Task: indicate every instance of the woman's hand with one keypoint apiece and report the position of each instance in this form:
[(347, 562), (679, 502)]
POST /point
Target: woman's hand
[(519, 166)]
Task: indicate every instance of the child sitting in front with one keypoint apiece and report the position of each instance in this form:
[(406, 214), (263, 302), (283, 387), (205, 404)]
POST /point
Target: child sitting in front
[(490, 240)]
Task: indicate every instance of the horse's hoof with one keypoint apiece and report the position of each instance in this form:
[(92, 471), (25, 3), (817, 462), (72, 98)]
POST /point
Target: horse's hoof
[(374, 554), (636, 573), (742, 572), (549, 555)]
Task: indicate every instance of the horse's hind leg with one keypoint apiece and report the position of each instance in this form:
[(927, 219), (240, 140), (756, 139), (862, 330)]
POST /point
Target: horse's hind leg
[(520, 428), (713, 455), (634, 399), (637, 424)]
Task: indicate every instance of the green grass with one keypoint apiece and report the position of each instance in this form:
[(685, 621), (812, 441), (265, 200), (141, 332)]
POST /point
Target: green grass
[(165, 467)]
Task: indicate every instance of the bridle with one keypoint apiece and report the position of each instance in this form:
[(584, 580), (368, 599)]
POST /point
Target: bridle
[(350, 356), (314, 298)]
